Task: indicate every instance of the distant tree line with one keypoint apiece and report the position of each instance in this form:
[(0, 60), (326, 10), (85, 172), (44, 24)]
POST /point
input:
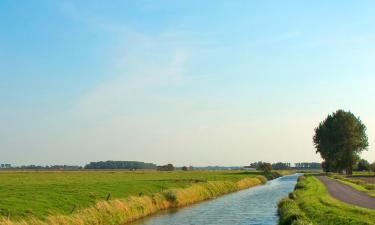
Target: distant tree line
[(281, 166), (284, 165), (255, 164), (132, 165), (187, 168), (5, 166), (168, 167), (217, 168), (263, 166), (39, 167), (50, 167), (308, 165)]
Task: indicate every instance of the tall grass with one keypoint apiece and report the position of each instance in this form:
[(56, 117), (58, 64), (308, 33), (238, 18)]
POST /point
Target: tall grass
[(122, 211), (290, 213)]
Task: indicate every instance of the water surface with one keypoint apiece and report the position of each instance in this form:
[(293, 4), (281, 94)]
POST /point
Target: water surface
[(254, 206)]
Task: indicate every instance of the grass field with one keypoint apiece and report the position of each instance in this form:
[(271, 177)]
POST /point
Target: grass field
[(39, 194), (312, 204)]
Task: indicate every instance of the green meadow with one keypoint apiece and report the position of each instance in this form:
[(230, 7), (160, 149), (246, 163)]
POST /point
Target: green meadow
[(40, 194)]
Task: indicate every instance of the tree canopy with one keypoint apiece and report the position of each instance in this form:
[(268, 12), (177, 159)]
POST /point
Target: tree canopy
[(168, 167), (265, 167), (363, 165), (339, 139)]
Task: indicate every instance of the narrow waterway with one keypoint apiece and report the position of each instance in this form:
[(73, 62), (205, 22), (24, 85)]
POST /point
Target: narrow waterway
[(254, 206)]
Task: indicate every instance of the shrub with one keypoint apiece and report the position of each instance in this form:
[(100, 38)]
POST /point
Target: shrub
[(370, 186), (359, 182), (171, 196), (292, 195), (168, 167), (301, 222), (299, 185), (290, 212)]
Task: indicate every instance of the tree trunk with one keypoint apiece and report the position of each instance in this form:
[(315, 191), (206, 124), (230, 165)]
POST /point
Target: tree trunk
[(349, 170)]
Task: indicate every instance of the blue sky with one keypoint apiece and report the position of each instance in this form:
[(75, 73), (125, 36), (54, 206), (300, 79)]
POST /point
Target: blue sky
[(187, 82)]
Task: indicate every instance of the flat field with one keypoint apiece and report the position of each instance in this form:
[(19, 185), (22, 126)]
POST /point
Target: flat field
[(39, 194)]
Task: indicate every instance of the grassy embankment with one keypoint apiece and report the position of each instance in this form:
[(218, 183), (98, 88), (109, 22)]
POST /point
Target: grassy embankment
[(311, 203), (111, 197)]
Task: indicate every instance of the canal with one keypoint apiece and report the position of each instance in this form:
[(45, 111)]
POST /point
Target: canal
[(254, 206)]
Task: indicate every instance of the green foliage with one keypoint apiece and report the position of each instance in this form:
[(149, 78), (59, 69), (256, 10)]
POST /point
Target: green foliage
[(362, 165), (370, 187), (168, 167), (339, 139), (270, 175), (290, 212), (171, 196), (265, 167)]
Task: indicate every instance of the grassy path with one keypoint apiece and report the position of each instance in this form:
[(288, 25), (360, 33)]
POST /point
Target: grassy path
[(311, 203), (347, 194)]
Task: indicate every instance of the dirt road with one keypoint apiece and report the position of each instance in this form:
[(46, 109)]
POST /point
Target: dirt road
[(347, 194)]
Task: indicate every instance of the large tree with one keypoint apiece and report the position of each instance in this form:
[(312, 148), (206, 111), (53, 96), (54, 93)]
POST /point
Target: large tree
[(339, 139)]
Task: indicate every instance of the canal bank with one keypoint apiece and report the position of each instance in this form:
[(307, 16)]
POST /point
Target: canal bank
[(120, 211), (254, 206)]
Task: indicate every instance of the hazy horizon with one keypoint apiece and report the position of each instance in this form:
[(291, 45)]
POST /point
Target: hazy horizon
[(184, 82)]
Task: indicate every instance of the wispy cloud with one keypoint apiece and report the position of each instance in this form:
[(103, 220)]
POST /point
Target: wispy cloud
[(71, 10), (132, 87), (139, 64)]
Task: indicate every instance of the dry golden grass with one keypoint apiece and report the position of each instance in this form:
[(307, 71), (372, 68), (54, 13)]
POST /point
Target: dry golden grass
[(122, 211)]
